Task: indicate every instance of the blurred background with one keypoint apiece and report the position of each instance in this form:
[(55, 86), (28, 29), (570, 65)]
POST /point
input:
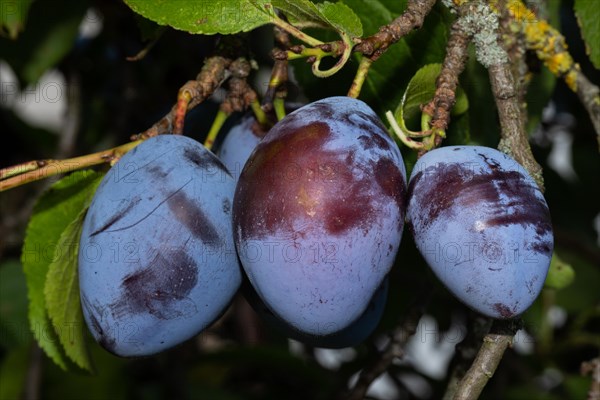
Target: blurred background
[(67, 89)]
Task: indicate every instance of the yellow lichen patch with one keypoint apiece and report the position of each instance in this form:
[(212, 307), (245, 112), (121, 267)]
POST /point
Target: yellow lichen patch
[(520, 12), (559, 63), (571, 79), (548, 43)]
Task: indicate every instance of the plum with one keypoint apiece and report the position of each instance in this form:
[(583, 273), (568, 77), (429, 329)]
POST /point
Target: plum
[(157, 263), (318, 214), (356, 333), (242, 138), (483, 226), (239, 144)]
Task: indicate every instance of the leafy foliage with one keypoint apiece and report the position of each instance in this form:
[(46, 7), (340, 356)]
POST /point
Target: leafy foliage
[(327, 14), (205, 17), (62, 293), (48, 247), (420, 90)]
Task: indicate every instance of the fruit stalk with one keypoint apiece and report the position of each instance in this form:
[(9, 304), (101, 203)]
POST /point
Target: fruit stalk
[(277, 88), (359, 78)]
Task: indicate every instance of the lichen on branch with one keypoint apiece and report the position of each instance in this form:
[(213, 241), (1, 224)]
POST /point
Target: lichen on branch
[(551, 48)]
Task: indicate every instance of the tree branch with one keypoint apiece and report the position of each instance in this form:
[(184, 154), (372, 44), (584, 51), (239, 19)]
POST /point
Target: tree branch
[(592, 368), (491, 352), (447, 82), (550, 46), (41, 169), (513, 136), (412, 18), (483, 23)]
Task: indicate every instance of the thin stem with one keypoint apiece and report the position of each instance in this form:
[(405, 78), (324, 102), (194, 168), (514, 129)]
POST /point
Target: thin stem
[(183, 100), (22, 168), (401, 134), (347, 52), (47, 168), (297, 33), (259, 113), (359, 78), (279, 106), (142, 53), (216, 126), (308, 52)]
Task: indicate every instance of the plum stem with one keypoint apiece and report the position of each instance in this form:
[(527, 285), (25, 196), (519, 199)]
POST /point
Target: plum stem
[(216, 126), (359, 78), (277, 88), (183, 100), (279, 106), (35, 170), (259, 113), (405, 135)]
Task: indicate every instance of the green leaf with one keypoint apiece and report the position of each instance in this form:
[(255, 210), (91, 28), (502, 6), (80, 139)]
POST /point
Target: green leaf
[(420, 90), (52, 214), (205, 17), (587, 18), (560, 274), (14, 328), (13, 15), (342, 18), (52, 29), (62, 294), (301, 12), (335, 15)]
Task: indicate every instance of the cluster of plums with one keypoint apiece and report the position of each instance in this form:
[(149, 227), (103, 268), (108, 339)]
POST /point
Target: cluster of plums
[(315, 220)]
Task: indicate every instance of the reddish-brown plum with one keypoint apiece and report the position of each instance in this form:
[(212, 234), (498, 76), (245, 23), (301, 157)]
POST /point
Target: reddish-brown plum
[(319, 212)]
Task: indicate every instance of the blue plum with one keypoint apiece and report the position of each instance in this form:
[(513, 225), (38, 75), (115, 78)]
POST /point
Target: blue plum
[(239, 144), (241, 140), (356, 333), (483, 226), (318, 214), (157, 263)]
